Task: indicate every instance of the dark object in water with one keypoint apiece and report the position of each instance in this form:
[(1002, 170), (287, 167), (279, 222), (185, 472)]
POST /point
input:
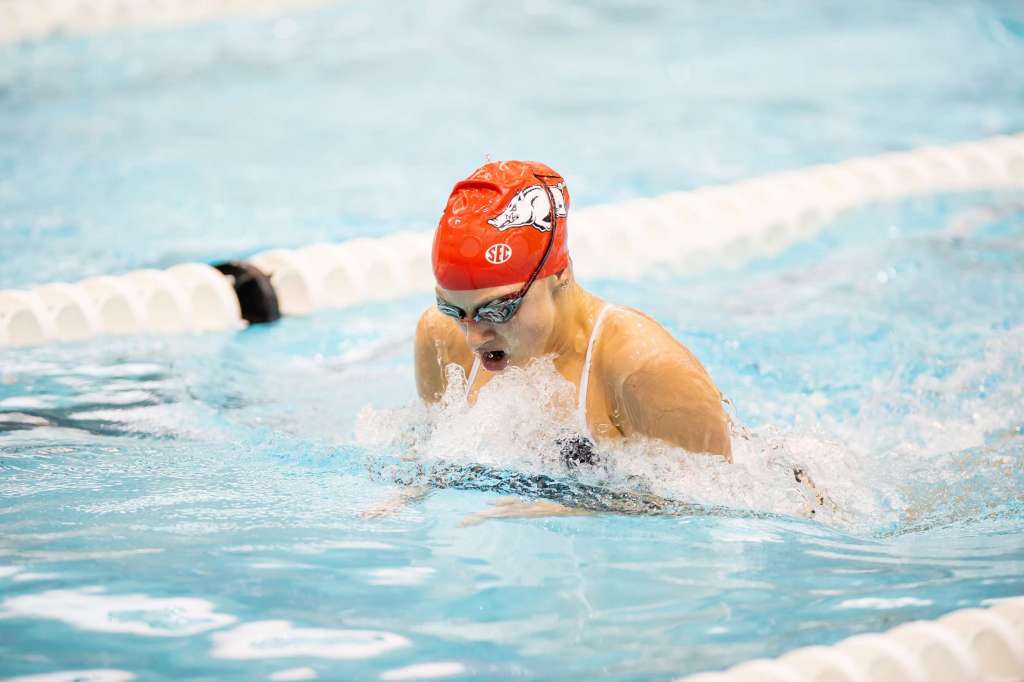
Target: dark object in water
[(576, 450), (569, 492), (256, 296)]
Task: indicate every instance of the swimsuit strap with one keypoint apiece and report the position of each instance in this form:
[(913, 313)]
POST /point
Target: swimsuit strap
[(581, 408)]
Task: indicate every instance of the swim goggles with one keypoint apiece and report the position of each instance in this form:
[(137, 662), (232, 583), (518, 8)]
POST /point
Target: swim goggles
[(503, 309)]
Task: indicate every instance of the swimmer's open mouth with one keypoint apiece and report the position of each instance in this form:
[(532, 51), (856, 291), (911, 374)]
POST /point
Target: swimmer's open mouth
[(494, 360)]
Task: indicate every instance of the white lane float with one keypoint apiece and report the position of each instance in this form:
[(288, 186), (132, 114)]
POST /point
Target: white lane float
[(717, 226), (969, 645)]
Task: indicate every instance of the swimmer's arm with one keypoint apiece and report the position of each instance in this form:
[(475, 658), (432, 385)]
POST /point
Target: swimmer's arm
[(668, 395), (430, 357), (397, 501), (514, 508)]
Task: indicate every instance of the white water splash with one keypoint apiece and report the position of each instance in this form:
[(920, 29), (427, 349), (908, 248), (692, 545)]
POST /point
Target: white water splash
[(890, 464), (981, 396), (521, 413), (517, 418)]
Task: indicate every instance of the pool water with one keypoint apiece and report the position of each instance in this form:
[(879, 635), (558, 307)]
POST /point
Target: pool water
[(212, 506)]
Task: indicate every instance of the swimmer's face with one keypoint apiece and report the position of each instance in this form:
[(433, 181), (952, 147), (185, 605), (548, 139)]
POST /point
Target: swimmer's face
[(515, 342)]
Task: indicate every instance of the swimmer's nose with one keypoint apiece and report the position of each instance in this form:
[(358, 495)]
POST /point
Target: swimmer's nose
[(477, 334)]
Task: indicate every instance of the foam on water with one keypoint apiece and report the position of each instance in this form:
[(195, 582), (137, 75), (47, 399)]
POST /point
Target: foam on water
[(281, 639), (293, 675), (520, 414), (402, 575), (425, 671), (100, 675), (90, 608)]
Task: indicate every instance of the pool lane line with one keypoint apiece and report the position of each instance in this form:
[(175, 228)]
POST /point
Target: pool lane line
[(967, 645), (24, 20), (715, 227)]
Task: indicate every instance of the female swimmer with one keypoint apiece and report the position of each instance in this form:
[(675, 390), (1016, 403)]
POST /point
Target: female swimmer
[(506, 295)]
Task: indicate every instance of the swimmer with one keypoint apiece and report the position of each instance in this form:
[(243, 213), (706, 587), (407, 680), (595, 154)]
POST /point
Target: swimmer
[(506, 295)]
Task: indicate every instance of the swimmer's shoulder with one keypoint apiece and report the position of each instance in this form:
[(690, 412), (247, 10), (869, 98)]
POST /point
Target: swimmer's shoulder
[(433, 325), (657, 387), (439, 342), (631, 338)]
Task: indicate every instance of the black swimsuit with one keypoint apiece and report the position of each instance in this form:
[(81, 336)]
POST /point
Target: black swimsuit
[(576, 450)]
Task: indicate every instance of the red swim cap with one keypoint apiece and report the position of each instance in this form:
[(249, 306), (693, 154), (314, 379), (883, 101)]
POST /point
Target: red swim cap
[(497, 224)]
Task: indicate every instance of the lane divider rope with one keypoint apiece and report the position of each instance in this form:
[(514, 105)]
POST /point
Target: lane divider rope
[(22, 20), (711, 227), (968, 645)]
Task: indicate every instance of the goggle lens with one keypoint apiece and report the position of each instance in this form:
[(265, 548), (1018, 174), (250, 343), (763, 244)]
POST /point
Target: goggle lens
[(450, 310), (498, 311)]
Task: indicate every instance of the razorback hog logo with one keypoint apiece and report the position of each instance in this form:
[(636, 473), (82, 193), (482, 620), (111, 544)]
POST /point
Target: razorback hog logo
[(530, 206)]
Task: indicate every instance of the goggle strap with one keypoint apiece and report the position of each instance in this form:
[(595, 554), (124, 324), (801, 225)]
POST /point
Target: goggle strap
[(551, 238)]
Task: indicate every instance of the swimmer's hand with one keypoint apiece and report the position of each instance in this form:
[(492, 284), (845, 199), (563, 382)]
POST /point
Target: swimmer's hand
[(821, 501), (397, 501), (513, 508)]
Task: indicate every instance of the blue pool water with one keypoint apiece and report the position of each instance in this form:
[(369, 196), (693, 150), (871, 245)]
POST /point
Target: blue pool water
[(208, 506)]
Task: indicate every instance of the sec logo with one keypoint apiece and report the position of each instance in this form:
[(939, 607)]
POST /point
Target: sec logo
[(498, 253)]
